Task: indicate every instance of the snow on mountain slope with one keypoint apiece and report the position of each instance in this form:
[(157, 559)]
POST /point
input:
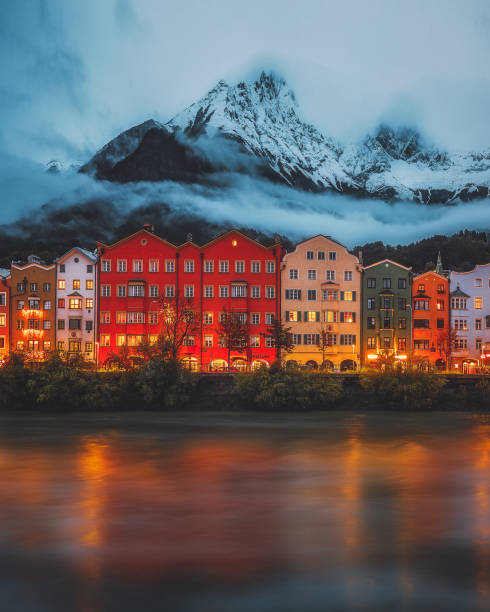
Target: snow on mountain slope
[(263, 117)]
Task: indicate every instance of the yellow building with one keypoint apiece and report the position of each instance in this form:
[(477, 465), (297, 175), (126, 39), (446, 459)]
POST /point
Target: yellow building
[(321, 283)]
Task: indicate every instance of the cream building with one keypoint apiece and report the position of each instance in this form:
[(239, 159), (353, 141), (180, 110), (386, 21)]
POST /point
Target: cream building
[(321, 284)]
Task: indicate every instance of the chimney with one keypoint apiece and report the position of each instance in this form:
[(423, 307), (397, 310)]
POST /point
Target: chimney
[(149, 227), (360, 257), (189, 237)]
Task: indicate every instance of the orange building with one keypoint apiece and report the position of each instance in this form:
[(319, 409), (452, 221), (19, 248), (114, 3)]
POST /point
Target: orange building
[(4, 315), (430, 321), (32, 308)]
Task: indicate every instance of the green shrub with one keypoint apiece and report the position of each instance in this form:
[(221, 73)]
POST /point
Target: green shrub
[(164, 383)]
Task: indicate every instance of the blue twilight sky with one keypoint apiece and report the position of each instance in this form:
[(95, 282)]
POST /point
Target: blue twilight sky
[(76, 72)]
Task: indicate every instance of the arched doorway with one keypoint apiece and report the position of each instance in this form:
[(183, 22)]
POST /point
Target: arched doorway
[(292, 364), (190, 363), (327, 365), (311, 364), (470, 366), (239, 364), (259, 363), (348, 365), (218, 365)]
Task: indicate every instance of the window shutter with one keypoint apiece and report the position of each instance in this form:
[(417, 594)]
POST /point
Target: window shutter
[(299, 294), (342, 296), (354, 296), (298, 338), (287, 315), (305, 319), (299, 315), (354, 341), (317, 316), (353, 317), (317, 338), (341, 317), (305, 339)]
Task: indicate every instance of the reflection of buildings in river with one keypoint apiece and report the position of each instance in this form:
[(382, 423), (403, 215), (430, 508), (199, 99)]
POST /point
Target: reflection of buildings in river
[(481, 525)]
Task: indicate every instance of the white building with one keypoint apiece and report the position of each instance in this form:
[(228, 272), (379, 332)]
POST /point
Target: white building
[(76, 295), (470, 318)]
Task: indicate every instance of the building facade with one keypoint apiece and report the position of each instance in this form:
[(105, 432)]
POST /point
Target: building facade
[(4, 315), (386, 312), (32, 308), (76, 291), (431, 321), (321, 303), (470, 318)]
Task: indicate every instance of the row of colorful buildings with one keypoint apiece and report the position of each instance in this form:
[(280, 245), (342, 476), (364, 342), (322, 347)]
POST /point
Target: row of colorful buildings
[(342, 315)]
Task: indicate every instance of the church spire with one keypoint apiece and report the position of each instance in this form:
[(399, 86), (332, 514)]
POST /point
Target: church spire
[(439, 264)]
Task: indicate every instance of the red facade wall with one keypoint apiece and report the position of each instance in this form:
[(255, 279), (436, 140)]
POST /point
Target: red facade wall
[(4, 319), (430, 344), (189, 277)]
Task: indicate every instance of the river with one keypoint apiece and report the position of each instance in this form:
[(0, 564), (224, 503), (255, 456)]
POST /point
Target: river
[(245, 512)]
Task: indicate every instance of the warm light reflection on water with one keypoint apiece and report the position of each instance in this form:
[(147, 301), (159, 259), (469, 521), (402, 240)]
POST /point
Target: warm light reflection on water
[(245, 512)]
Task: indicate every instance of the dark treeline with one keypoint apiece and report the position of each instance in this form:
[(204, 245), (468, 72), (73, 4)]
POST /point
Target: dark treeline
[(53, 231)]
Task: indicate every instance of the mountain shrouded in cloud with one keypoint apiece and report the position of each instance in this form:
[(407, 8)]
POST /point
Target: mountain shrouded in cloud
[(258, 123)]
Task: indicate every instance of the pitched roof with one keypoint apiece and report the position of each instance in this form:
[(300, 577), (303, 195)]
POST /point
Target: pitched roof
[(377, 263), (4, 272), (458, 293), (88, 254)]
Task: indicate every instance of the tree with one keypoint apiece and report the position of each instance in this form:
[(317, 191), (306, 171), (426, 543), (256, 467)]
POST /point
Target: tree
[(232, 331), (324, 341), (179, 319), (282, 338)]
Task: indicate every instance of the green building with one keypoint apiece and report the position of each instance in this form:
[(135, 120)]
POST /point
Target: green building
[(386, 312)]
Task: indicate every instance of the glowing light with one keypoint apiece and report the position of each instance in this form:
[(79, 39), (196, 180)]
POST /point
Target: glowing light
[(400, 356), (372, 356), (234, 242)]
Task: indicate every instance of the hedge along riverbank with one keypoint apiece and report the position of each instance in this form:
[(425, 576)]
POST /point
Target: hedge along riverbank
[(163, 384)]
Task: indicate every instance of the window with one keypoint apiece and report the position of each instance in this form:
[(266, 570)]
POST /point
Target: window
[(154, 265), (189, 291), (371, 322), (3, 299), (208, 265), (478, 324), (255, 318), (478, 282), (421, 305), (269, 342), (238, 291), (62, 268), (76, 323), (74, 346), (332, 256), (20, 304), (312, 275), (136, 291), (296, 338), (460, 344), (330, 275), (386, 302), (189, 341), (293, 294), (223, 291), (421, 345), (269, 318), (34, 287), (371, 283), (60, 345), (461, 324), (208, 318), (458, 303), (89, 284), (293, 274), (46, 324), (21, 288), (402, 344), (311, 294), (440, 288), (402, 323), (33, 324), (20, 345), (137, 265), (135, 317), (106, 266), (208, 291), (46, 287), (310, 255), (311, 339), (153, 291), (3, 320), (347, 339), (170, 265), (256, 292), (47, 345), (88, 347), (255, 341), (89, 325), (402, 283), (331, 316), (189, 265), (271, 267), (371, 342), (105, 317), (47, 305), (208, 341), (120, 317), (90, 268), (105, 340), (402, 303), (89, 303), (321, 255), (386, 283), (347, 275), (34, 304), (170, 291), (348, 296), (440, 324), (331, 295), (478, 344), (106, 291), (387, 323), (153, 317), (76, 284), (122, 265), (134, 340), (61, 303), (421, 288), (75, 303), (386, 342), (421, 324), (312, 316), (440, 305), (271, 292), (61, 284), (239, 267), (478, 303), (347, 317), (121, 291), (224, 266)]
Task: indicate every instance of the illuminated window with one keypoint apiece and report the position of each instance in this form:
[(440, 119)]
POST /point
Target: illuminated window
[(135, 340), (208, 265), (189, 265), (135, 317), (312, 316), (421, 288), (348, 296), (386, 342), (371, 342), (440, 305), (120, 317), (89, 303), (208, 341), (402, 344), (292, 315), (47, 345), (89, 347), (20, 345), (76, 284), (478, 303), (60, 345), (61, 284), (105, 317), (330, 316), (120, 339), (330, 295), (75, 303), (74, 346), (349, 317), (89, 284), (137, 265), (154, 265), (105, 340), (208, 318), (170, 265), (3, 320), (255, 341)]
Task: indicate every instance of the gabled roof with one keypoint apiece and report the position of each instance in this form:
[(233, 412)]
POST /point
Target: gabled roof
[(471, 271), (377, 263), (458, 293), (433, 272), (4, 272), (84, 252), (32, 264), (326, 238), (75, 294), (127, 238), (234, 232)]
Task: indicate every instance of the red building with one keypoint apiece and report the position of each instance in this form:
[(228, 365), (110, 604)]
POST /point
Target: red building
[(431, 328), (232, 272), (4, 316)]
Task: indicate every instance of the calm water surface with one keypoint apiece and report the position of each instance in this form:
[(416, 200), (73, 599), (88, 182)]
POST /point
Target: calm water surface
[(208, 512)]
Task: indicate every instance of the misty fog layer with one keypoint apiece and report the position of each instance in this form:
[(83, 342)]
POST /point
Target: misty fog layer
[(239, 200)]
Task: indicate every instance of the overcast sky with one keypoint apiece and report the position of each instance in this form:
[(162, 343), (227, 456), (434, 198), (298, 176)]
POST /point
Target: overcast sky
[(74, 73)]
